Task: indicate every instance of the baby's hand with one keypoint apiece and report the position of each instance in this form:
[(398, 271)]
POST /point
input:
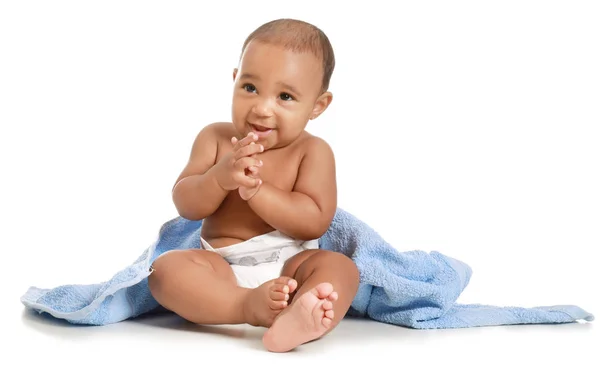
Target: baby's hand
[(247, 191), (233, 170)]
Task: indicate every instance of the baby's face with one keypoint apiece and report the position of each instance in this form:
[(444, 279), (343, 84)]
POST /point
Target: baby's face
[(275, 93)]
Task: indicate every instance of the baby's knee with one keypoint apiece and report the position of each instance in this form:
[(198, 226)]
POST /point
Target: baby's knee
[(165, 266), (344, 263), (165, 260), (172, 265), (158, 269), (337, 261)]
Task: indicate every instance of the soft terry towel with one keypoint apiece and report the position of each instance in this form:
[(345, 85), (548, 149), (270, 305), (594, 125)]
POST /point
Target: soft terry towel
[(412, 289)]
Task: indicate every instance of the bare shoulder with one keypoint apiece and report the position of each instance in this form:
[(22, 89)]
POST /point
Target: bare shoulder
[(218, 130), (224, 130), (211, 136), (313, 146), (317, 176), (203, 154), (317, 164)]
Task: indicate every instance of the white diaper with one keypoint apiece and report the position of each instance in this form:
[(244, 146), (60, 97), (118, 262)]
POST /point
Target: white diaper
[(260, 258)]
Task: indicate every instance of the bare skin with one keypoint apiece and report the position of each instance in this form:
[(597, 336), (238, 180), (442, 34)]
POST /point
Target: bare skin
[(234, 221), (245, 182), (307, 319), (327, 283), (218, 300)]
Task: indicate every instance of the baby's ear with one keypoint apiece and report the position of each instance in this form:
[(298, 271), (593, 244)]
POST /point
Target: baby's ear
[(235, 71), (321, 104)]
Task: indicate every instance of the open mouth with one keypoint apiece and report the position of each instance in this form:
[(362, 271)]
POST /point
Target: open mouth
[(259, 128), (261, 131)]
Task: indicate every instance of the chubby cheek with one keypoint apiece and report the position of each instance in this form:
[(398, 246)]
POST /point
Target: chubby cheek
[(290, 127), (239, 111)]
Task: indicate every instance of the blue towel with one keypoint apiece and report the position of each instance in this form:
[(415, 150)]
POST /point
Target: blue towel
[(412, 289)]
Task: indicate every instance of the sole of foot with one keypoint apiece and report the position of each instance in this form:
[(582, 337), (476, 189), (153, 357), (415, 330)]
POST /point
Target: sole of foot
[(306, 319)]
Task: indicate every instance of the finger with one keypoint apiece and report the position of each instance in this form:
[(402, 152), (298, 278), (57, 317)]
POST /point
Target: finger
[(253, 170), (251, 137), (247, 181), (249, 150), (246, 162), (234, 140)]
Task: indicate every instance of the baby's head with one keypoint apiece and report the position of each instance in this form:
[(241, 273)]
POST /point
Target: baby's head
[(282, 81)]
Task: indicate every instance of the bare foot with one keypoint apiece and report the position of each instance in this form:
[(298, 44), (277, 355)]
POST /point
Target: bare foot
[(264, 303), (308, 318)]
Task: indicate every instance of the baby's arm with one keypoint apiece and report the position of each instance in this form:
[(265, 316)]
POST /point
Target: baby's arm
[(196, 193), (306, 212)]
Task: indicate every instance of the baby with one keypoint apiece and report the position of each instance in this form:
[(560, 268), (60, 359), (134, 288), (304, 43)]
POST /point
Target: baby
[(266, 190)]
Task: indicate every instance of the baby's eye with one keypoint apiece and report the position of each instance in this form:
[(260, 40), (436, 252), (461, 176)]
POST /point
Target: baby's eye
[(249, 88), (286, 97)]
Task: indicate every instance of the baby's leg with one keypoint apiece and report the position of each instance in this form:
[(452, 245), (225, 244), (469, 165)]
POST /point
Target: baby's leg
[(327, 284), (200, 286)]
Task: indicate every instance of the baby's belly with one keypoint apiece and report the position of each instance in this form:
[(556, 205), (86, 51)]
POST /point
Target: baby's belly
[(235, 221), (226, 228)]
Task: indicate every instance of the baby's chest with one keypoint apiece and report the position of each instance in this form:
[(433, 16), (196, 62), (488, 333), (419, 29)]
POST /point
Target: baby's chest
[(280, 172)]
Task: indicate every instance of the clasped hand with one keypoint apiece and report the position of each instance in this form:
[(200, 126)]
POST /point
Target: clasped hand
[(240, 168)]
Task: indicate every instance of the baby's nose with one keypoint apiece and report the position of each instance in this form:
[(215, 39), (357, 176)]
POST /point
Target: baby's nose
[(263, 108)]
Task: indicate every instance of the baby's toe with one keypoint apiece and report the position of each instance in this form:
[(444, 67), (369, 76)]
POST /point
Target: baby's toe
[(329, 314), (278, 295), (282, 280), (279, 288), (323, 290), (278, 304), (333, 296), (287, 281), (327, 305)]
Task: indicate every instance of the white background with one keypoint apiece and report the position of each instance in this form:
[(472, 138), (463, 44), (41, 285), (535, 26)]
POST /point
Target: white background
[(470, 128)]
